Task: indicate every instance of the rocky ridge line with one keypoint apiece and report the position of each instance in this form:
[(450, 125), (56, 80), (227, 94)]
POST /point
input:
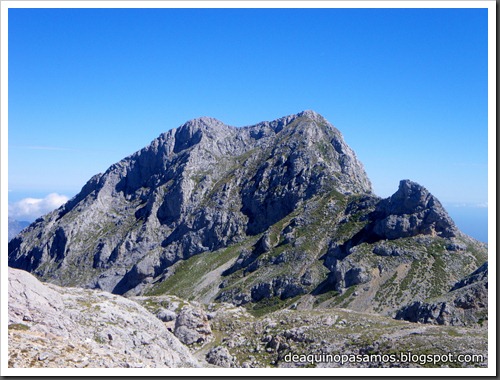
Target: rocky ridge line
[(197, 188)]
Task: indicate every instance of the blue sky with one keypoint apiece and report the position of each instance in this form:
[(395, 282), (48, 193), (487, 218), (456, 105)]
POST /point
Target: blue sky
[(406, 87)]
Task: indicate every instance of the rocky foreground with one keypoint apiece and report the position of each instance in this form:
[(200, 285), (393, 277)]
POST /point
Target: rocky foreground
[(50, 326)]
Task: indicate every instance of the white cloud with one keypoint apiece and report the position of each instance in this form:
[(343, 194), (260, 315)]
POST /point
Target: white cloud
[(31, 208)]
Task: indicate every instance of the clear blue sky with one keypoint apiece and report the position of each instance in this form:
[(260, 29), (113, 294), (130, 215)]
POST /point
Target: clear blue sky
[(406, 87)]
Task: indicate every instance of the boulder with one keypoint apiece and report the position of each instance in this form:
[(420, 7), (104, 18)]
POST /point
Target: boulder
[(192, 326), (221, 357)]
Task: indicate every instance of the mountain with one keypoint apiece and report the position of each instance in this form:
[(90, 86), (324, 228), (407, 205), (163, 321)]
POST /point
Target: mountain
[(16, 226), (276, 215)]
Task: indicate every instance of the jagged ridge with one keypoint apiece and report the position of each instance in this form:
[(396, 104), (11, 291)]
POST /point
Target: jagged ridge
[(197, 188)]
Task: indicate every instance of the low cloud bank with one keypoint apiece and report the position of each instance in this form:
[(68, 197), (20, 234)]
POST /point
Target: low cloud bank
[(31, 208)]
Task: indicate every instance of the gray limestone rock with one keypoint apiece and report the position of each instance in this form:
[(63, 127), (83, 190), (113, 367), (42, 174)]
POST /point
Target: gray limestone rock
[(412, 210), (479, 275), (258, 214), (221, 357), (194, 189), (192, 326), (465, 305), (283, 287), (347, 273), (15, 226), (166, 315), (234, 296), (107, 330)]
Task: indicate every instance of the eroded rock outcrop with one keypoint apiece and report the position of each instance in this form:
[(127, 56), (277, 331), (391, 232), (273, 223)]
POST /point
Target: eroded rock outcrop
[(192, 326), (465, 305), (220, 357), (411, 211), (51, 326), (397, 250)]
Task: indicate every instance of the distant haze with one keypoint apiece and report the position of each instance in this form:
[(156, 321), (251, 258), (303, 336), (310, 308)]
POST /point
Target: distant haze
[(471, 220)]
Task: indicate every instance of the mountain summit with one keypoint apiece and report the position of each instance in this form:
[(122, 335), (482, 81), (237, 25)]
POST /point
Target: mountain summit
[(266, 215), (197, 188)]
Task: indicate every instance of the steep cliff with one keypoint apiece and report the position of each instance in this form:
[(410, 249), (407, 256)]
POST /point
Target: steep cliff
[(274, 215)]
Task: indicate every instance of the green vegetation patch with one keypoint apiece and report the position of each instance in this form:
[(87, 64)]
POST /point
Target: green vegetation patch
[(269, 305), (18, 326), (320, 298), (343, 299), (188, 273)]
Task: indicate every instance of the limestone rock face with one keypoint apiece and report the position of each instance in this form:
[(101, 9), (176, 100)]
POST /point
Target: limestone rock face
[(194, 189), (479, 275), (466, 303), (283, 287), (16, 226), (244, 244), (410, 211), (408, 238), (166, 315), (72, 327)]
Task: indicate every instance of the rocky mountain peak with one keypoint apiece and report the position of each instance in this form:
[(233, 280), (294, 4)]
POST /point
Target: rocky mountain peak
[(308, 118), (197, 188), (203, 122), (409, 198), (274, 216), (413, 210), (306, 115), (191, 132), (313, 115), (310, 114)]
